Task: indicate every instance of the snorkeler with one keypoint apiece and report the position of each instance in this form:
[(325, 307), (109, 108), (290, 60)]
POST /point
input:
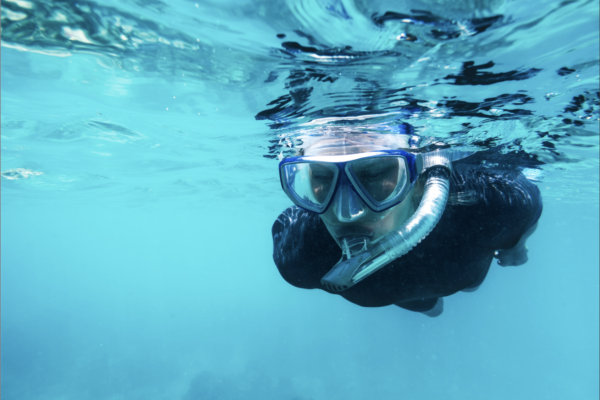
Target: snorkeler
[(381, 221)]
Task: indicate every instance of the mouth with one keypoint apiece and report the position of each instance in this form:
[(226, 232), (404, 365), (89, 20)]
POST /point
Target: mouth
[(353, 231)]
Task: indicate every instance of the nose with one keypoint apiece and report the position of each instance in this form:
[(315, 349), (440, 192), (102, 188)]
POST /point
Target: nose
[(347, 205)]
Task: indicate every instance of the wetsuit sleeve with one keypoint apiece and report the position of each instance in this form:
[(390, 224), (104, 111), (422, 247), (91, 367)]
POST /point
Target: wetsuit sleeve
[(499, 205), (303, 249)]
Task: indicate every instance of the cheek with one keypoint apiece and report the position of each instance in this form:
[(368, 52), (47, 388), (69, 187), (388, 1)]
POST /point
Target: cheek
[(328, 216), (385, 222), (402, 212), (394, 217)]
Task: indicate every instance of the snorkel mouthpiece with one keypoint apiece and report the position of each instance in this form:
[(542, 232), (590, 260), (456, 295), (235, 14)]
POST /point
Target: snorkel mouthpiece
[(354, 254), (353, 246), (354, 267)]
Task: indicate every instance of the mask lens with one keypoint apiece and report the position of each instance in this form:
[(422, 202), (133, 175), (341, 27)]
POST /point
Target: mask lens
[(383, 178), (322, 179), (310, 184)]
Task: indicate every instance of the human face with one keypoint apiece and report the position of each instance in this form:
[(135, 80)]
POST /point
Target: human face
[(366, 222), (348, 215)]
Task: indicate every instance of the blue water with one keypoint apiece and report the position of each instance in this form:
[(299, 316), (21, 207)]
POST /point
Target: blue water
[(139, 185)]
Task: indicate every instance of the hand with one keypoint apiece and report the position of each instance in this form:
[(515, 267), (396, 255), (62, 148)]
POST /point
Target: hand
[(512, 257)]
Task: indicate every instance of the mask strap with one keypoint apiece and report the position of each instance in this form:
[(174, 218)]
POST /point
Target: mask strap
[(441, 158)]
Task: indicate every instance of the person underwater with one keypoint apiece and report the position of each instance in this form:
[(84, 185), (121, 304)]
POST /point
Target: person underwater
[(380, 221)]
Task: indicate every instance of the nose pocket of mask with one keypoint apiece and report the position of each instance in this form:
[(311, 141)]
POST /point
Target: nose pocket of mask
[(347, 204)]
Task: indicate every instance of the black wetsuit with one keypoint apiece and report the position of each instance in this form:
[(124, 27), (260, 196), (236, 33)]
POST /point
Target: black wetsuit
[(488, 210)]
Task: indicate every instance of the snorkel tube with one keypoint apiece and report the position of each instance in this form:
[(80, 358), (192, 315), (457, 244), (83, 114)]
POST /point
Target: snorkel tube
[(357, 265)]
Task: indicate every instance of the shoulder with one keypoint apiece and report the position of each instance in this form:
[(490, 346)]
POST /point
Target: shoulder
[(303, 250), (492, 186), (499, 202), (294, 218)]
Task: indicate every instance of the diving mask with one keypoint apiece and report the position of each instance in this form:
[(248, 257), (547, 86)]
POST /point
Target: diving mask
[(381, 178)]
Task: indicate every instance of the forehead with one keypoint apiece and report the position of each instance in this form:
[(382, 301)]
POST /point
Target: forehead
[(355, 143)]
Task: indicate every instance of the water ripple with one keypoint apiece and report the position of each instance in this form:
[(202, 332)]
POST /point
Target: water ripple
[(138, 96)]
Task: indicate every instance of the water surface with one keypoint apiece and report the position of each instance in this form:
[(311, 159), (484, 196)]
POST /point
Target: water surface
[(140, 143)]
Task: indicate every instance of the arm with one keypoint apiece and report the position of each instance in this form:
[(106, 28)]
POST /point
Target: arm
[(517, 255), (303, 250), (505, 207)]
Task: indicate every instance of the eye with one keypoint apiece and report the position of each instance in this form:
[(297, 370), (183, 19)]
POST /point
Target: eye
[(321, 173), (379, 177), (373, 173), (376, 168), (322, 178)]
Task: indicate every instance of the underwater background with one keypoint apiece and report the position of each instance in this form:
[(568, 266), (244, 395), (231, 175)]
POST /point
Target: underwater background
[(140, 144)]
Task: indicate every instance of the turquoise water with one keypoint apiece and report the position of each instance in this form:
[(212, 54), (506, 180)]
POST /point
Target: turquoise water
[(139, 185)]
